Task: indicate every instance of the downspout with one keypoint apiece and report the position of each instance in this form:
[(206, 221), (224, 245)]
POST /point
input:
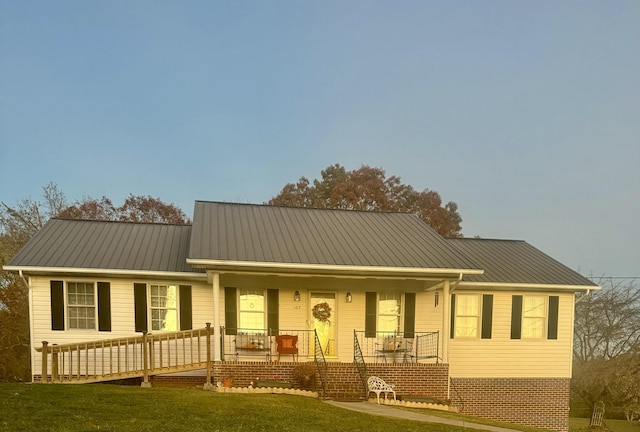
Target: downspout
[(446, 324), (586, 294)]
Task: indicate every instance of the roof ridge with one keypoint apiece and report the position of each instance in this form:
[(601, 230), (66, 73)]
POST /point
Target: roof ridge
[(119, 221), (307, 208)]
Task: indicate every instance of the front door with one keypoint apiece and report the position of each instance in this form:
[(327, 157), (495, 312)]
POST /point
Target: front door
[(323, 319)]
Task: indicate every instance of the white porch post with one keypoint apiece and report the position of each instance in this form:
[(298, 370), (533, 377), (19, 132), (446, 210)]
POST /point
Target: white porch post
[(216, 317), (446, 321)]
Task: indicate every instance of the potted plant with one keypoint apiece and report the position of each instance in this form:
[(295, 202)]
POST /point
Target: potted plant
[(227, 381), (305, 373)]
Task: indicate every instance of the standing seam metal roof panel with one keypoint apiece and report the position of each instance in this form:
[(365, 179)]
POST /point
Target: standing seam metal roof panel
[(64, 243), (516, 261), (318, 236)]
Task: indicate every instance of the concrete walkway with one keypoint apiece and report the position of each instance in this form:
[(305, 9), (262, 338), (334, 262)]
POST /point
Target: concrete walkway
[(388, 411)]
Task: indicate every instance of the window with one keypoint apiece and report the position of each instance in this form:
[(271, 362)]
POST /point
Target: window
[(389, 312), (161, 307), (533, 316), (471, 316), (81, 305), (164, 307), (251, 309), (467, 315)]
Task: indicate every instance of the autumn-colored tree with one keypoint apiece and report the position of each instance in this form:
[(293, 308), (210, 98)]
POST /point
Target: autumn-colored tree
[(369, 189), (18, 224), (134, 209)]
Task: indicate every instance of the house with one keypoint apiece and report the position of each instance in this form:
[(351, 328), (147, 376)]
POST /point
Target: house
[(484, 324)]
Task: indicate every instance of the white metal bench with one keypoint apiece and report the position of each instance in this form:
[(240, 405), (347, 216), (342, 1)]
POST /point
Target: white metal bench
[(377, 385)]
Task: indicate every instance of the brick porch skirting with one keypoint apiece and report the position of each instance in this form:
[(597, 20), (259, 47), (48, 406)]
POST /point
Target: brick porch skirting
[(538, 402)]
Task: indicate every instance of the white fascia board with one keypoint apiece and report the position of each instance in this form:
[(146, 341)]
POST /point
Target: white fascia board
[(526, 286), (109, 272), (328, 268)]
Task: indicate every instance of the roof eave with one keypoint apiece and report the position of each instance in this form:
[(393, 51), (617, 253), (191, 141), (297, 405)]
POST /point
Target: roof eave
[(106, 272), (327, 269), (527, 286)]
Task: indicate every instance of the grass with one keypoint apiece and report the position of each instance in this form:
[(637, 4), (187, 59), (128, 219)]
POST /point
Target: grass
[(100, 407), (582, 424)]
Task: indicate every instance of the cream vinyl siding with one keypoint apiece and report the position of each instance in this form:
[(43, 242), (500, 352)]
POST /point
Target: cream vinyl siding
[(122, 312), (350, 316), (504, 357)]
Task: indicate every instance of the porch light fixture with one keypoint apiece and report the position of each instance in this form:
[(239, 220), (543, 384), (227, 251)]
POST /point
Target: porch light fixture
[(436, 299), (296, 296), (349, 298)]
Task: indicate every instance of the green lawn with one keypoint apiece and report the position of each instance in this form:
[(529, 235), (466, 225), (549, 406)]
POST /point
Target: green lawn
[(582, 424), (99, 407)]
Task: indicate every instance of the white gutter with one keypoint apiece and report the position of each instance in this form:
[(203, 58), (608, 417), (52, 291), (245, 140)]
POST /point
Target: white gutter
[(582, 297), (111, 272), (329, 267), (506, 285)]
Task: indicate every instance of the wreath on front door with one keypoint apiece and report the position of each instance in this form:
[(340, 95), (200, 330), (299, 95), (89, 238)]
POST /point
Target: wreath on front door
[(322, 311)]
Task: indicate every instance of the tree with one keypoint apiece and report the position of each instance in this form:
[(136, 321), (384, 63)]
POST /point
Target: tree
[(134, 209), (606, 352), (369, 189), (18, 224)]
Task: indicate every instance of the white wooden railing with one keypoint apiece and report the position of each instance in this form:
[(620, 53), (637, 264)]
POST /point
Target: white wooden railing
[(127, 357)]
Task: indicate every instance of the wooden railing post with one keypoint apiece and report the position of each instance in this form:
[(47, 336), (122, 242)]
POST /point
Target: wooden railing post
[(45, 370), (145, 381), (207, 384), (54, 366)]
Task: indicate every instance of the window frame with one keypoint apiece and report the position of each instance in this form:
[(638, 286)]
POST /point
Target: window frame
[(398, 316), (152, 308), (68, 306), (264, 312), (543, 318), (477, 316)]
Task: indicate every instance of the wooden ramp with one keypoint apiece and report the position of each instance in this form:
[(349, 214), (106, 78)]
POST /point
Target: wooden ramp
[(128, 357)]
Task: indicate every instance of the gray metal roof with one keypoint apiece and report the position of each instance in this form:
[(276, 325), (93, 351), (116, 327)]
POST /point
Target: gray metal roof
[(270, 234), (107, 245), (515, 261)]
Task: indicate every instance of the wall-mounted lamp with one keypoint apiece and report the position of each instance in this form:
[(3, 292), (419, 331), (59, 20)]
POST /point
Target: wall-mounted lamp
[(436, 299), (349, 298), (296, 296)]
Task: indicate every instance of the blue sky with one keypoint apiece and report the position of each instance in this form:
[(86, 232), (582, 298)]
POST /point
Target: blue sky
[(525, 113)]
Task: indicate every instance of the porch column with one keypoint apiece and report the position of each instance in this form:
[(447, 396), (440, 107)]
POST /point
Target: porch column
[(446, 321), (216, 317)]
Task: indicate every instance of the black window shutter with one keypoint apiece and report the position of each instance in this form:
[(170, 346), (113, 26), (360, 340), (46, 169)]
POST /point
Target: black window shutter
[(452, 327), (185, 308), (370, 314), (140, 300), (230, 311), (516, 317), (104, 306), (57, 305), (409, 315), (273, 306), (487, 315), (552, 332)]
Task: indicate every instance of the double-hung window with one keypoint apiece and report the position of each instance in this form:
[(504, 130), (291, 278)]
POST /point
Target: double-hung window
[(252, 310), (81, 305), (534, 316), (389, 307), (467, 315), (471, 316), (164, 307)]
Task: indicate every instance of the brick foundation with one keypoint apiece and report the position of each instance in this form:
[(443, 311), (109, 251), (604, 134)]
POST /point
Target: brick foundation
[(538, 402), (343, 379)]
